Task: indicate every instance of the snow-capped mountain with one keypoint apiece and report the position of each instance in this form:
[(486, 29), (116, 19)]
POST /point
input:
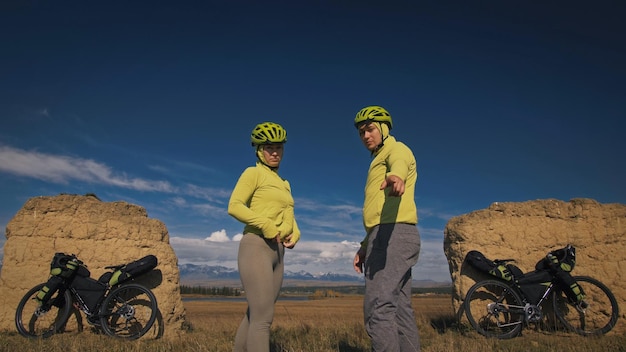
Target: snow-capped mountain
[(190, 272)]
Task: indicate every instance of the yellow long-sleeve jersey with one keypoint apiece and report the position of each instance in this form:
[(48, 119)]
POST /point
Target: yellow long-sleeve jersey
[(262, 200), (394, 158)]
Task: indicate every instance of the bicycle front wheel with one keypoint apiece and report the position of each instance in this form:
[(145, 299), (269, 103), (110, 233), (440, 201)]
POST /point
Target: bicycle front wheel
[(128, 312), (597, 318), (36, 320), (494, 309)]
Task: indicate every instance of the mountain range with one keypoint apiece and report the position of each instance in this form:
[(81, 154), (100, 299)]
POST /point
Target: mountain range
[(192, 272)]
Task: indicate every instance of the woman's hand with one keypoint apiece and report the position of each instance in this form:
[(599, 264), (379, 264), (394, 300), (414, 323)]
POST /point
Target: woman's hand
[(287, 242), (359, 260)]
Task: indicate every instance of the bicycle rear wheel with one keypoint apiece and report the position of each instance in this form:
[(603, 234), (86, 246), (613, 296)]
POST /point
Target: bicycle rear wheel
[(35, 320), (494, 309), (600, 315), (128, 312)]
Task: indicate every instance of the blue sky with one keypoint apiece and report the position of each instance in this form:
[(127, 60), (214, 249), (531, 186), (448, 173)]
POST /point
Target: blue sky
[(152, 103)]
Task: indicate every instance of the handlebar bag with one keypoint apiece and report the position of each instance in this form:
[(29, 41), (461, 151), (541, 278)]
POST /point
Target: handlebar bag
[(559, 259), (66, 266)]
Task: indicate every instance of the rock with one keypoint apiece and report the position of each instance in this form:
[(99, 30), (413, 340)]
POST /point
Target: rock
[(100, 234), (527, 231)]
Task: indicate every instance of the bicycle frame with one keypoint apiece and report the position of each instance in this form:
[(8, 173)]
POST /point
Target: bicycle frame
[(530, 313), (501, 306), (80, 303), (115, 304)]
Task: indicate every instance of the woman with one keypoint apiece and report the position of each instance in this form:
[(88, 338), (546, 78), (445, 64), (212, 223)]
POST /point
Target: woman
[(262, 200)]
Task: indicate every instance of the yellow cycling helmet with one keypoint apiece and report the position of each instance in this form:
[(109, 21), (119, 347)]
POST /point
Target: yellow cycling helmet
[(373, 113), (267, 133)]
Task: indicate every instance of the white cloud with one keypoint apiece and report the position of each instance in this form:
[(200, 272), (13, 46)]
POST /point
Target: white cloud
[(207, 193), (338, 226), (200, 251), (218, 236), (310, 256), (432, 263), (63, 169)]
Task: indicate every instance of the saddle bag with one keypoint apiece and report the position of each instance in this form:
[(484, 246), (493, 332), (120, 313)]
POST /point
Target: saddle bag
[(130, 270), (506, 272)]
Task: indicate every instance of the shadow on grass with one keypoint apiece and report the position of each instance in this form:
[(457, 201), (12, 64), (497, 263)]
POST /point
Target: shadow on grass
[(346, 347), (446, 324)]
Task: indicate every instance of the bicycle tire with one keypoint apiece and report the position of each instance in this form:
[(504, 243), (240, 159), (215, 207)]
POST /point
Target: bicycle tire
[(494, 309), (598, 318), (32, 322), (128, 312)]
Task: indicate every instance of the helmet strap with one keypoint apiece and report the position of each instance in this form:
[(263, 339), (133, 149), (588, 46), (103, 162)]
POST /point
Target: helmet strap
[(384, 132)]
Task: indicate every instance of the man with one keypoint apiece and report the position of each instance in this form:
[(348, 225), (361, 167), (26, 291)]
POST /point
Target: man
[(392, 242)]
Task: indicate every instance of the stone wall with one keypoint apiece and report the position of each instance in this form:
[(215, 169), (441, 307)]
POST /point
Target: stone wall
[(527, 231), (100, 234)]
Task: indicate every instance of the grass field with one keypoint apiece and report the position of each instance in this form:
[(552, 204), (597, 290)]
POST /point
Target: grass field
[(323, 325)]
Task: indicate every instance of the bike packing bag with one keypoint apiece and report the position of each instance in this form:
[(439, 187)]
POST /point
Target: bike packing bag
[(90, 290), (130, 270), (533, 284), (52, 285), (560, 259), (565, 281), (478, 260), (560, 263), (63, 265), (505, 272)]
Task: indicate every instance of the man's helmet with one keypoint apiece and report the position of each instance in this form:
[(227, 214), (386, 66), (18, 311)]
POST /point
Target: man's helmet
[(267, 133), (373, 113)]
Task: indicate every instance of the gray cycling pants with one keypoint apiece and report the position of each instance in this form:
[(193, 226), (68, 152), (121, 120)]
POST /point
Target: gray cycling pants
[(392, 251), (261, 270)]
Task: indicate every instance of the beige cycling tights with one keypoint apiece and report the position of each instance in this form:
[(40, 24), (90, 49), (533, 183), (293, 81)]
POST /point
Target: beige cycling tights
[(261, 270)]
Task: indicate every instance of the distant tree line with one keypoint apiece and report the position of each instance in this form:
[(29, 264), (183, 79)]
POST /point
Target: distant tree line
[(436, 290), (327, 293), (317, 291), (210, 291)]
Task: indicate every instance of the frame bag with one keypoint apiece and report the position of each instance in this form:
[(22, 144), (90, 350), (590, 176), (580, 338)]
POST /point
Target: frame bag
[(90, 290)]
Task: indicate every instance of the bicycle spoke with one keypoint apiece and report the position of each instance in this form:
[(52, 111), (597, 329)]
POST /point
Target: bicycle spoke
[(596, 316)]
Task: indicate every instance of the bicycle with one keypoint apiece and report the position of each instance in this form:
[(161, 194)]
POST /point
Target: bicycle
[(501, 307), (114, 304)]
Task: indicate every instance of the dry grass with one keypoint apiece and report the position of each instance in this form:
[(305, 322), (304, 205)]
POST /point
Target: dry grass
[(325, 325)]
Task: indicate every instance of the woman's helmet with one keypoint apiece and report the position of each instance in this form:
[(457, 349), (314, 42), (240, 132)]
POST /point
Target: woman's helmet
[(373, 113), (267, 133)]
